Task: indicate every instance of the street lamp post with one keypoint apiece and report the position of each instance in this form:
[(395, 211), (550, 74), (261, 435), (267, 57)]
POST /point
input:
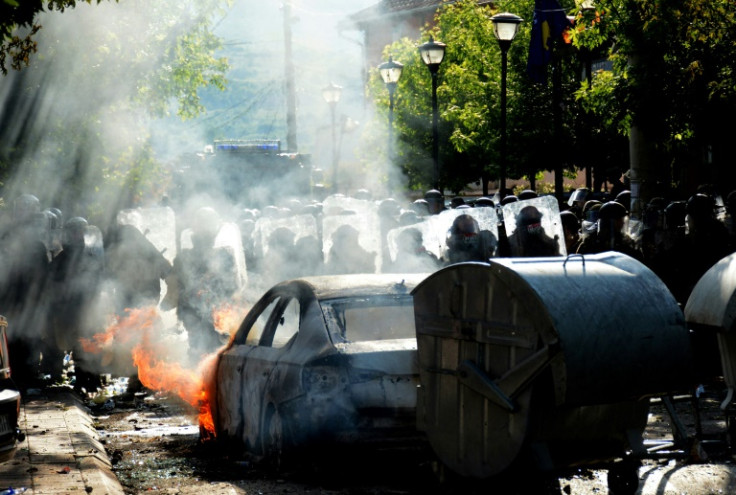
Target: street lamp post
[(505, 27), (331, 93), (391, 73), (432, 54)]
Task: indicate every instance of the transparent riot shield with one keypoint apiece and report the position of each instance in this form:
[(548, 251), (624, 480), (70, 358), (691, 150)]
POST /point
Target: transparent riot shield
[(229, 239), (436, 230), (287, 248), (533, 228), (157, 224), (351, 235)]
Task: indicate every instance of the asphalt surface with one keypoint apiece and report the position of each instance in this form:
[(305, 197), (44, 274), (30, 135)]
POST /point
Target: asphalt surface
[(61, 452)]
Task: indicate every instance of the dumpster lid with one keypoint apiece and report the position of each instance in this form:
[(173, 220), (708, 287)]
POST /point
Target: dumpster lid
[(712, 301)]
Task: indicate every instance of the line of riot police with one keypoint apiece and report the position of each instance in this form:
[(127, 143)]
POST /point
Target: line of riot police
[(50, 273), (60, 279)]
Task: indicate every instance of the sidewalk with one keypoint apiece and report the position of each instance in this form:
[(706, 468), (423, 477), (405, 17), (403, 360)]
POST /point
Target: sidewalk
[(61, 452)]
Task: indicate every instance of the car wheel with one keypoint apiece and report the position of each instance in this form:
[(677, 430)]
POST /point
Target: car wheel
[(273, 444)]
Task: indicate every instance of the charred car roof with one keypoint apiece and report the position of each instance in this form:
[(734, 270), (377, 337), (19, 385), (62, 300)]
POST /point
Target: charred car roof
[(332, 286)]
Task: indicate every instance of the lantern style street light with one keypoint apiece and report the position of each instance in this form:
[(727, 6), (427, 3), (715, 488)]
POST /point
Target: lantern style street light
[(432, 54), (505, 27), (391, 73), (331, 93)]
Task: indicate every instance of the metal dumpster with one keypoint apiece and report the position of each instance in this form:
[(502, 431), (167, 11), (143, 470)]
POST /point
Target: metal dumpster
[(711, 309), (545, 363)]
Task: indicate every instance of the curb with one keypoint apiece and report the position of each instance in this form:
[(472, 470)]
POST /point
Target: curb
[(90, 454), (62, 452)]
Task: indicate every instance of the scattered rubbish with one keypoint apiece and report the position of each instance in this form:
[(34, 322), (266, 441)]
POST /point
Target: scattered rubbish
[(13, 491), (64, 470)]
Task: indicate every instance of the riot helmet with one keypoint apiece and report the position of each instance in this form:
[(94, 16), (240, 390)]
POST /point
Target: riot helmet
[(205, 225), (421, 206), (484, 202), (529, 220), (388, 207), (74, 230), (611, 218), (700, 206), (456, 201), (509, 199), (527, 194), (409, 217), (435, 201), (612, 210), (624, 198), (25, 206), (569, 221), (579, 197), (674, 215), (464, 234)]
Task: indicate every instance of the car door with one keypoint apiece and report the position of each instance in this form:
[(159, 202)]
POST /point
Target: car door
[(234, 394), (260, 372)]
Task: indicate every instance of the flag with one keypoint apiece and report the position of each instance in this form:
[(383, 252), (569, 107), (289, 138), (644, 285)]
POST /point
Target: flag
[(548, 24)]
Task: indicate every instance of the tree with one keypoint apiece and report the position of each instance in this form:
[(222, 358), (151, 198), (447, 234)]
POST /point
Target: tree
[(672, 88), (79, 112), (22, 15), (469, 99)]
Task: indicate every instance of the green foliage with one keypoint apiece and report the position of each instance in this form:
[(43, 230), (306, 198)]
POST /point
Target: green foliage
[(469, 96), (150, 59), (22, 14), (673, 71)]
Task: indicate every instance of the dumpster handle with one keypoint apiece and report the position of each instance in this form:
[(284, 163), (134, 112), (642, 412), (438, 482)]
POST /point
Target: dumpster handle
[(582, 258)]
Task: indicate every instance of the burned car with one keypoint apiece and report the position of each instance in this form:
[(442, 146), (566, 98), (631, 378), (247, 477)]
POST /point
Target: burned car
[(321, 361), (10, 434)]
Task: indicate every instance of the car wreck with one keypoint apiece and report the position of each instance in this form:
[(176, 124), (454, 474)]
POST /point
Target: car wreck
[(321, 361)]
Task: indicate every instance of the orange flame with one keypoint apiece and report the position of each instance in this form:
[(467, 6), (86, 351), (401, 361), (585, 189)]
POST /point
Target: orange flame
[(189, 385), (123, 329), (149, 357), (227, 319)]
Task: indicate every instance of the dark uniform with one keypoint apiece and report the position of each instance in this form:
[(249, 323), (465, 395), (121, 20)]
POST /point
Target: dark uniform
[(530, 239), (610, 235), (203, 279), (75, 276)]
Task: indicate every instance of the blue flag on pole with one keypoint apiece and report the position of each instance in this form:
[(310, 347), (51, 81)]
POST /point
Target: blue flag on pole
[(548, 24)]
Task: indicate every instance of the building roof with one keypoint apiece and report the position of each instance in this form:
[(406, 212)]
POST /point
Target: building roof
[(394, 7)]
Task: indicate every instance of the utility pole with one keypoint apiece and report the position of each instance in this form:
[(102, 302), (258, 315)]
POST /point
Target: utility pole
[(291, 145)]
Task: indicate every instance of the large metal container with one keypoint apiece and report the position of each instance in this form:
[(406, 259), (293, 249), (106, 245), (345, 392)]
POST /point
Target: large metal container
[(711, 309), (544, 362)]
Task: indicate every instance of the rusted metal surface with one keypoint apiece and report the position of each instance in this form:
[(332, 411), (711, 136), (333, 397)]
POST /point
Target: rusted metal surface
[(544, 361), (322, 359)]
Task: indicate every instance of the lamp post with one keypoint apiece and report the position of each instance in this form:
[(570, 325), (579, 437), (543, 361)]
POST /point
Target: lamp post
[(432, 54), (505, 27), (391, 73), (587, 8), (331, 93)]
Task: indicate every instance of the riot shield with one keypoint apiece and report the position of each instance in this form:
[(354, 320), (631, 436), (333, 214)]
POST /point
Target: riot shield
[(158, 224), (533, 228), (228, 238), (351, 235), (436, 228)]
